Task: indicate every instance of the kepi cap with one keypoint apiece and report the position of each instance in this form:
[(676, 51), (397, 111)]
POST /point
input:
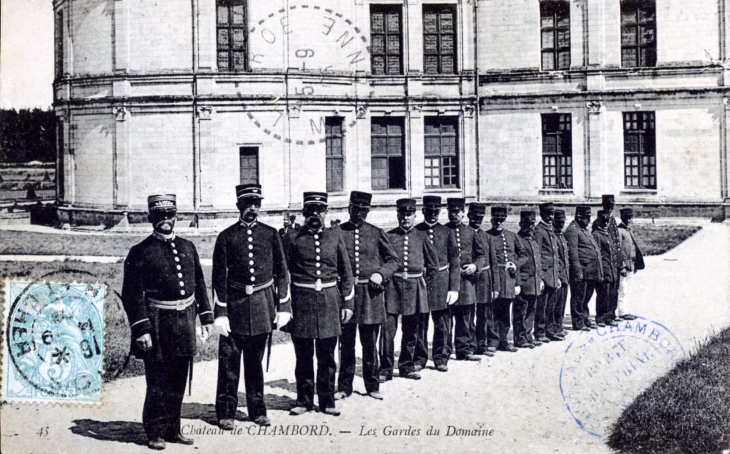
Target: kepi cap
[(527, 215), (477, 208), (248, 190), (431, 201), (406, 204), (456, 202), (559, 215), (360, 199), (626, 211), (584, 210), (315, 197), (162, 202), (607, 198), (547, 207), (499, 211)]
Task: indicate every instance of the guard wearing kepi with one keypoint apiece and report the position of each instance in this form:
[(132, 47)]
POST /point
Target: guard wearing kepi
[(374, 261), (251, 295), (318, 264), (163, 292), (549, 243), (485, 285), (443, 291)]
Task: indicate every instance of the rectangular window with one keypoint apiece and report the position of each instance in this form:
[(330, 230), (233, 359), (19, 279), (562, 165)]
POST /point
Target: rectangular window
[(441, 154), (557, 151), (639, 150), (439, 39), (249, 165), (387, 148), (334, 135), (638, 33), (386, 39), (555, 34), (231, 39), (59, 44)]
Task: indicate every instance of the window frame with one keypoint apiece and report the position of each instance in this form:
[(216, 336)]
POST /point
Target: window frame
[(389, 159), (555, 8), (643, 125), (440, 122), (636, 6), (386, 9), (230, 27), (245, 149), (330, 158), (439, 9), (559, 125), (59, 47)]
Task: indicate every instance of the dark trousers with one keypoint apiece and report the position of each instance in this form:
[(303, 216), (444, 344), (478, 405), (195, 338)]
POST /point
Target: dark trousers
[(464, 329), (230, 349), (580, 294), (305, 349), (421, 354), (409, 338), (163, 400), (561, 298), (614, 296), (604, 302), (502, 319), (530, 315), (440, 348), (484, 335), (544, 312), (348, 361), (520, 310), (492, 328)]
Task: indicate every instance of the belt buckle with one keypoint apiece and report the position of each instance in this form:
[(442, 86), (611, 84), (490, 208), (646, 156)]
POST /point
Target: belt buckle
[(318, 285), (249, 290), (180, 304), (405, 275)]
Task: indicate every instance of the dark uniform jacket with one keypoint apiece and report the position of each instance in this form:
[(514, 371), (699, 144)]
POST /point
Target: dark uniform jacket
[(245, 258), (613, 235), (472, 252), (318, 256), (530, 271), (584, 255), (563, 270), (417, 256), (633, 258), (448, 278), (549, 253), (608, 255), (490, 271), (373, 253), (507, 248), (164, 270)]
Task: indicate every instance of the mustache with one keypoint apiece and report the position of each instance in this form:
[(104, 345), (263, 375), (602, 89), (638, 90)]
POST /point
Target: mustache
[(164, 221)]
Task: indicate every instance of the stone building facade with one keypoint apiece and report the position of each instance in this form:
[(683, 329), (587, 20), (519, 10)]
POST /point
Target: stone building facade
[(502, 101)]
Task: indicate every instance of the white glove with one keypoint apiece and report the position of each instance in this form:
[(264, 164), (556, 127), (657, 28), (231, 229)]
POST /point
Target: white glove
[(511, 266), (145, 342), (518, 290), (376, 278), (345, 315), (469, 269), (495, 295), (542, 286), (282, 318), (451, 297), (222, 325), (203, 332)]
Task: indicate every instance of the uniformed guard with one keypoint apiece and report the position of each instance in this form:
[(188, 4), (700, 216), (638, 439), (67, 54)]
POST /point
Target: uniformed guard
[(510, 255), (561, 298), (251, 295), (550, 258), (604, 288), (405, 293), (163, 292), (608, 203), (472, 261), (531, 285), (443, 291), (318, 264), (485, 285), (374, 261), (633, 261), (584, 262)]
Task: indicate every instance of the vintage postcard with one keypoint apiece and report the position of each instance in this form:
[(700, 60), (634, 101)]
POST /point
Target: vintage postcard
[(368, 226)]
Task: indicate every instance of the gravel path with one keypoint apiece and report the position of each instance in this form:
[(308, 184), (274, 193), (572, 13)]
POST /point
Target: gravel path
[(516, 396)]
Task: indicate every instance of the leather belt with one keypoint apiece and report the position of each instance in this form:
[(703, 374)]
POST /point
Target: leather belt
[(362, 281), (179, 305), (318, 285), (251, 289), (444, 268), (407, 275)]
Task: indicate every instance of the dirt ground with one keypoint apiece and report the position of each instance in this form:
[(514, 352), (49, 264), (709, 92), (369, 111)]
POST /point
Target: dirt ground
[(509, 403)]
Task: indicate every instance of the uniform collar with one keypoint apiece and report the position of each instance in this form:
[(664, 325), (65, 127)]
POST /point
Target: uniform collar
[(162, 237), (250, 225), (404, 230), (429, 224), (525, 235), (314, 232)]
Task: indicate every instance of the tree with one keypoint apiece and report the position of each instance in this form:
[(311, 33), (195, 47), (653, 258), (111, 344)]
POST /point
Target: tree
[(27, 135)]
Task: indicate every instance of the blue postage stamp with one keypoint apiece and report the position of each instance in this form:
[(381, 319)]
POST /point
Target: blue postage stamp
[(604, 370), (53, 349)]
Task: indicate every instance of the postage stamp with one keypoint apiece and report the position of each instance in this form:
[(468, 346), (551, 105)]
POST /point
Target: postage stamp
[(605, 369), (53, 349)]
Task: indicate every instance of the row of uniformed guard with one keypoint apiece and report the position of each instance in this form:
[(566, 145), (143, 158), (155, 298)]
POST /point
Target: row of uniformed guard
[(321, 284)]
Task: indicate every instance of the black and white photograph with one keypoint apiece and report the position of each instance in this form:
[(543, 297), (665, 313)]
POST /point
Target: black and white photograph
[(365, 226)]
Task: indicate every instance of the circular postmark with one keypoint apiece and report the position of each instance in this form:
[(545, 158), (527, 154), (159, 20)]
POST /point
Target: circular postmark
[(55, 341), (604, 370), (324, 48)]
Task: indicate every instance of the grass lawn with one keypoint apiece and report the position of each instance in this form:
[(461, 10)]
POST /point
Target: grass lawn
[(658, 239), (686, 411)]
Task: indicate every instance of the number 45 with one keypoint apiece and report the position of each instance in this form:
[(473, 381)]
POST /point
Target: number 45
[(43, 432)]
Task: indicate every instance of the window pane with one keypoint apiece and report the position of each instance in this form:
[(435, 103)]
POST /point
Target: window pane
[(647, 35), (393, 22), (628, 16), (564, 60), (548, 61), (238, 15), (223, 61), (223, 15), (628, 36), (432, 145), (447, 22), (378, 65), (429, 23), (431, 64), (647, 15), (430, 44), (239, 61), (447, 44), (378, 44), (547, 20), (393, 44), (548, 38), (628, 57), (377, 22), (223, 42), (447, 64), (238, 38), (648, 57), (564, 38)]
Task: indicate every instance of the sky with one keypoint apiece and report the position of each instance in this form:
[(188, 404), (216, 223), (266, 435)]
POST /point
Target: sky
[(26, 54)]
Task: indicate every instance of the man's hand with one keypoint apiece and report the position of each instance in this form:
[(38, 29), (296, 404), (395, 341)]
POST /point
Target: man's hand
[(376, 281), (222, 325), (558, 285), (282, 318), (624, 273), (203, 332), (346, 315), (469, 269), (452, 297), (518, 290), (511, 266), (495, 295), (542, 285), (144, 342)]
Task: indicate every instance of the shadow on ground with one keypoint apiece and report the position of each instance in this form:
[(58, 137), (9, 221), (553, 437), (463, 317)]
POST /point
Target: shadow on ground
[(119, 431)]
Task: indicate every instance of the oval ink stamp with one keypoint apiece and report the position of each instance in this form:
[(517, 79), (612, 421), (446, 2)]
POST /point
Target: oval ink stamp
[(54, 342), (605, 369)]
